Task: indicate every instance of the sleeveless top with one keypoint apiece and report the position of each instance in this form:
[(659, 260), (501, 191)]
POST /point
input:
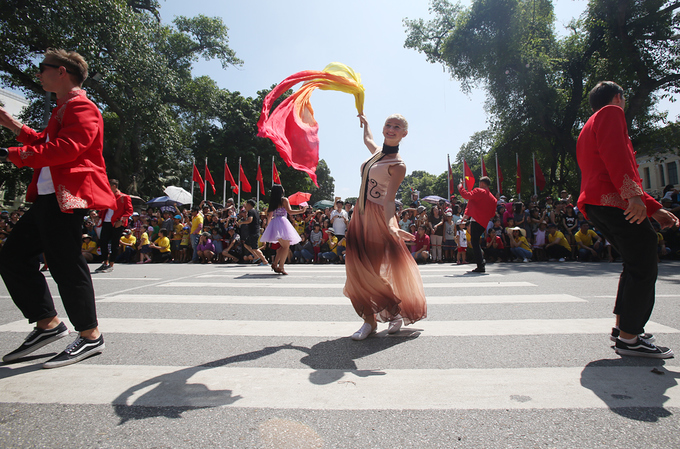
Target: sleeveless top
[(379, 178), (280, 212)]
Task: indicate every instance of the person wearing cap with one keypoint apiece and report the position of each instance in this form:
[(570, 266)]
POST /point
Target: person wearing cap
[(185, 245), (613, 199), (176, 237), (332, 254), (88, 248), (519, 246), (128, 244), (481, 208), (114, 221), (339, 219), (205, 248), (589, 243)]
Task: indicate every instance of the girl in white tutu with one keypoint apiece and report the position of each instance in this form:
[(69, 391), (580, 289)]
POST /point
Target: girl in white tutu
[(280, 230)]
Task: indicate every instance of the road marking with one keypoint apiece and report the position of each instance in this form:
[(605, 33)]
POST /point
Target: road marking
[(342, 329), (322, 389), (338, 300), (280, 282), (318, 276)]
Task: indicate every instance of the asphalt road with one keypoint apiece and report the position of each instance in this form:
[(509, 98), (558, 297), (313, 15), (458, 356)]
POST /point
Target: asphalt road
[(236, 356)]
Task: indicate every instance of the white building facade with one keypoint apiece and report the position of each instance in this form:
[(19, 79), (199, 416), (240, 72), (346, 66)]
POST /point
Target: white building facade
[(657, 171)]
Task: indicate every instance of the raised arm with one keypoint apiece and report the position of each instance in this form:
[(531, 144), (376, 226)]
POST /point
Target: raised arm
[(368, 135)]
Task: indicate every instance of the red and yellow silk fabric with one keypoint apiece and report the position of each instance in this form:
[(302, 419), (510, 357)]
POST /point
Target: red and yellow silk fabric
[(291, 126)]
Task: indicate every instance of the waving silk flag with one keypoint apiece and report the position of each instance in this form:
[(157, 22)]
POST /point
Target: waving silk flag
[(259, 179), (469, 177), (230, 178), (209, 178), (197, 178), (245, 185), (291, 126), (275, 173)]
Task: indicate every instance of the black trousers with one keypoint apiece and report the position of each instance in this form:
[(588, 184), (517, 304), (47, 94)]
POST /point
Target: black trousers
[(45, 229), (110, 235), (637, 245), (476, 232)]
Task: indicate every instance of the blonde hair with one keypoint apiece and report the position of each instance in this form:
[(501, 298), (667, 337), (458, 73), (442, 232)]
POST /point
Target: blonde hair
[(399, 117), (74, 63)]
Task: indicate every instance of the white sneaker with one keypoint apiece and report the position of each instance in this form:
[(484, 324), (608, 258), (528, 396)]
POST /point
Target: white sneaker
[(525, 260), (395, 325), (561, 259), (364, 331)]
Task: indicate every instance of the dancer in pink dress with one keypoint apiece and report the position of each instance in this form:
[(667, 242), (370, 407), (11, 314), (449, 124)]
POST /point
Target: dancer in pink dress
[(280, 230), (383, 280)]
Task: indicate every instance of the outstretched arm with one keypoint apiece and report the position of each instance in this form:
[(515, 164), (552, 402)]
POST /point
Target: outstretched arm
[(286, 205), (368, 135)]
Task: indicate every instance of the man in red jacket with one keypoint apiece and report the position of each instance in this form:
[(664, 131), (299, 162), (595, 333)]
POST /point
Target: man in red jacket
[(114, 222), (481, 208), (612, 198), (69, 178)]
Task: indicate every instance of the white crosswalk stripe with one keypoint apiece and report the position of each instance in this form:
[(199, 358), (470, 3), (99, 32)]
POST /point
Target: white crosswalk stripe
[(328, 388)]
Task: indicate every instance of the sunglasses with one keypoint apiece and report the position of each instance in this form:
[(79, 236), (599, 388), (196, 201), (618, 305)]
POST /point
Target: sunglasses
[(43, 65)]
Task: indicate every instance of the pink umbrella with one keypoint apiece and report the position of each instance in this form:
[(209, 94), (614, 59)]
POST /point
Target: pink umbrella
[(299, 197)]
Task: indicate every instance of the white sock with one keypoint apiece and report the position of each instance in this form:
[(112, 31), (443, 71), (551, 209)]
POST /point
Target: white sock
[(629, 341)]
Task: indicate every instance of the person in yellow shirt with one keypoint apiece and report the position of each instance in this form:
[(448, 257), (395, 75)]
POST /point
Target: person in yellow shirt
[(589, 243), (332, 242), (89, 248), (196, 229), (519, 246), (127, 244), (144, 250), (161, 247), (558, 247)]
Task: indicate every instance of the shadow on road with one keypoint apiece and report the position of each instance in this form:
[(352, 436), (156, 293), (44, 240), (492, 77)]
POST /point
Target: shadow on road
[(330, 359), (633, 388)]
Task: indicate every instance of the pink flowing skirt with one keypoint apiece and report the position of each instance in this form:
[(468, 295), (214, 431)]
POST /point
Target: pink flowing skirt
[(382, 277)]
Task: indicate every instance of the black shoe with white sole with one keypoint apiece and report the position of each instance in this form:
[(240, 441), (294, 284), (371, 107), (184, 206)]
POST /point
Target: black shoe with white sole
[(646, 336), (642, 348), (36, 340), (80, 349)]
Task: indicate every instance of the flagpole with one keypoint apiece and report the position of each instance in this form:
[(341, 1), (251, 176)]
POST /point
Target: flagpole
[(258, 187), (192, 182), (239, 183), (448, 177), (224, 189), (273, 171), (533, 158), (498, 178), (205, 177), (519, 194)]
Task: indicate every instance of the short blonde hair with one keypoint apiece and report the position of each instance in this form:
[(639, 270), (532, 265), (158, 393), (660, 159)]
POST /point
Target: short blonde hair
[(74, 63), (399, 117)]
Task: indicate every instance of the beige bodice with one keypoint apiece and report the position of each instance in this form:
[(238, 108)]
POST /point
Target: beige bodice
[(379, 178)]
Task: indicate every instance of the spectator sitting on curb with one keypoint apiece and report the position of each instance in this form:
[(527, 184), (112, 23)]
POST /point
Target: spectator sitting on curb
[(421, 248), (205, 248), (161, 247), (558, 247), (232, 246), (144, 250), (519, 246), (89, 248), (494, 247), (303, 251), (332, 254), (589, 243), (127, 243)]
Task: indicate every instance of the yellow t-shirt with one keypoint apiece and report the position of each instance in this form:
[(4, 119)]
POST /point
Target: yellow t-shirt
[(587, 238), (196, 223), (178, 228), (144, 239), (90, 247), (523, 243), (164, 243), (185, 238), (299, 226), (130, 239), (559, 235)]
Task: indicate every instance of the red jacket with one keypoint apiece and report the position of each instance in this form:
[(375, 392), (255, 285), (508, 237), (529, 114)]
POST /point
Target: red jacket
[(481, 204), (73, 153), (122, 211), (609, 174)]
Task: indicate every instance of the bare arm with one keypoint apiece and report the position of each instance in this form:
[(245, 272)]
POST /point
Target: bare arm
[(368, 135), (286, 205)]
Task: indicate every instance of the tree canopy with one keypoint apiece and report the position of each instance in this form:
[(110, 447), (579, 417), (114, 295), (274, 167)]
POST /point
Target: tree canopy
[(537, 82)]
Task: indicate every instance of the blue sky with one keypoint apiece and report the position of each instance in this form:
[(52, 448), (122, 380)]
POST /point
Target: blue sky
[(276, 39)]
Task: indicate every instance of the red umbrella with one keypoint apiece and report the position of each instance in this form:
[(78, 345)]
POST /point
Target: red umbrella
[(299, 197)]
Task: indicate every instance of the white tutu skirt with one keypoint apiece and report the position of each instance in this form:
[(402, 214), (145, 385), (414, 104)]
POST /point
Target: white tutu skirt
[(280, 228)]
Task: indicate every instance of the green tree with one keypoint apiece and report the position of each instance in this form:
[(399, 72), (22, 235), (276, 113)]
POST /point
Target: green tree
[(537, 83), (140, 75), (326, 182)]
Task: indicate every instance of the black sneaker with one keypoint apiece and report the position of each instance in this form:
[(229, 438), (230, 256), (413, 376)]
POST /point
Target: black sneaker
[(107, 269), (642, 348), (80, 349), (478, 270), (36, 340), (616, 332), (101, 268)]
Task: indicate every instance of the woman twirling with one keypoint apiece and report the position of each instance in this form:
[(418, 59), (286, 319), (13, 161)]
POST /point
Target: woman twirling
[(383, 280), (280, 230)]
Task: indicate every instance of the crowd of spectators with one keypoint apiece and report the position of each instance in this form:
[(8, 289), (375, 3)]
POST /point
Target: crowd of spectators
[(545, 229)]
